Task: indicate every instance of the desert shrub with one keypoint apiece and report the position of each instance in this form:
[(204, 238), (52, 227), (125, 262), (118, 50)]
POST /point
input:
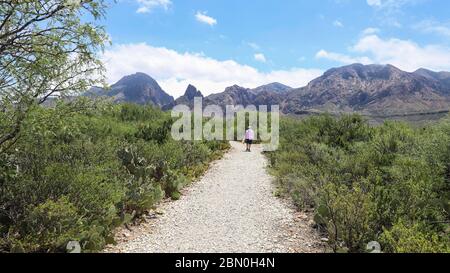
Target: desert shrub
[(77, 175), (196, 153), (157, 131), (346, 213), (402, 238), (129, 112), (49, 226), (362, 181)]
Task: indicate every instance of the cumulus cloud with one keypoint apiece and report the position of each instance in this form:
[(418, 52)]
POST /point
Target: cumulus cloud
[(260, 57), (145, 6), (405, 54), (203, 18), (175, 70)]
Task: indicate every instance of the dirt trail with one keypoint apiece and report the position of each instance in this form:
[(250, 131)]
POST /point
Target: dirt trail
[(232, 208)]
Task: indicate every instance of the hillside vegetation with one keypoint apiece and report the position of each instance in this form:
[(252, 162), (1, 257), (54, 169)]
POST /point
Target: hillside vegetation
[(389, 183), (77, 171)]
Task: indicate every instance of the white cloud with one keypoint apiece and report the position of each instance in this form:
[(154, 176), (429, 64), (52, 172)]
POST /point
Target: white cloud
[(390, 11), (254, 46), (370, 30), (203, 18), (390, 4), (375, 3), (175, 70), (404, 54), (338, 23), (430, 26), (145, 6), (341, 58), (260, 57)]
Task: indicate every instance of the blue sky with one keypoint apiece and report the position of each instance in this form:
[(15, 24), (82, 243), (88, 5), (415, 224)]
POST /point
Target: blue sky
[(217, 43)]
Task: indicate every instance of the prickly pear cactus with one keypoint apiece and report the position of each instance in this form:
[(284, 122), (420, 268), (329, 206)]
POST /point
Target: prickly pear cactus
[(144, 191)]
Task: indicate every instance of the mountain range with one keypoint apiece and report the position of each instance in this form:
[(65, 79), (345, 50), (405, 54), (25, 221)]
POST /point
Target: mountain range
[(372, 89), (367, 89)]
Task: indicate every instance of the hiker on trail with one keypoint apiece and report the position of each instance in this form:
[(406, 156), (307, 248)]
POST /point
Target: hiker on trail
[(249, 137)]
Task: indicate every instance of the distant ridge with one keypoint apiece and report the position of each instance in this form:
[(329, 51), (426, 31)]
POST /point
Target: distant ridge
[(378, 90), (272, 87), (372, 89)]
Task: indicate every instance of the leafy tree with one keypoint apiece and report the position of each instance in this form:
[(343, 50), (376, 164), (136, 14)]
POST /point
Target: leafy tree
[(48, 48)]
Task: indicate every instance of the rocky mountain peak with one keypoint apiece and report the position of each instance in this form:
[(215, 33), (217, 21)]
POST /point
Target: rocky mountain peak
[(192, 92), (272, 87), (138, 88)]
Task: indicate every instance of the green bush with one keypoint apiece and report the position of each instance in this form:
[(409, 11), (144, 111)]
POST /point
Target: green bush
[(403, 238), (363, 181), (158, 131), (49, 226), (77, 175), (346, 213)]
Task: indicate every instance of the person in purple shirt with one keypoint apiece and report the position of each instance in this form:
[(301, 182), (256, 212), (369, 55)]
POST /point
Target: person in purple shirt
[(249, 137)]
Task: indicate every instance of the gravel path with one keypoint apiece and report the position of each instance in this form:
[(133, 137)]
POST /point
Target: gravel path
[(231, 209)]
